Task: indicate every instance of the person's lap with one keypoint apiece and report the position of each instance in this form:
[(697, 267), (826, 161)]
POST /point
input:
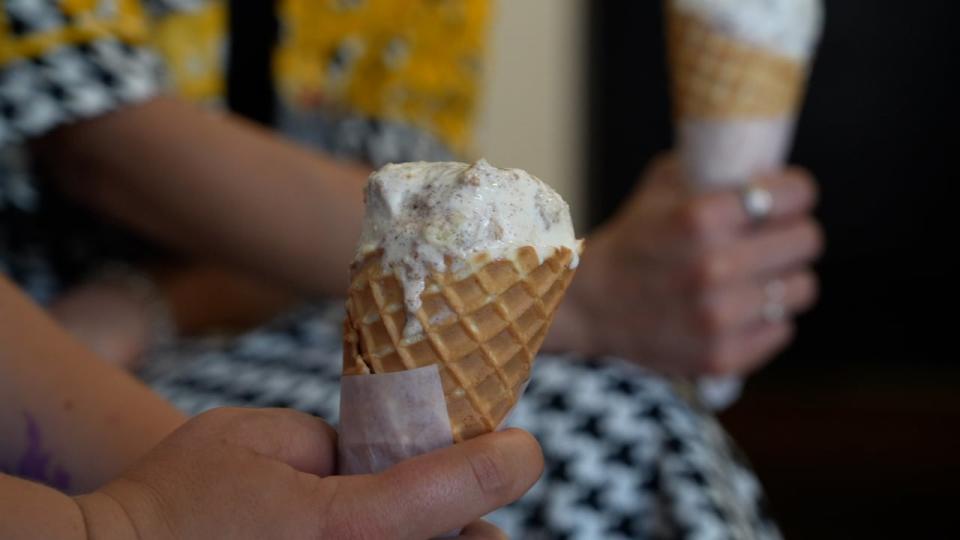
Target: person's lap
[(627, 457)]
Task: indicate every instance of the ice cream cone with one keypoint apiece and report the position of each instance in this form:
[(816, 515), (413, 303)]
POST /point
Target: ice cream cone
[(482, 327), (734, 99), (716, 76)]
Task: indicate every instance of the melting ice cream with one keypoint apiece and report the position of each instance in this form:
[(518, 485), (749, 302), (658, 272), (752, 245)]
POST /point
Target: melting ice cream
[(425, 216)]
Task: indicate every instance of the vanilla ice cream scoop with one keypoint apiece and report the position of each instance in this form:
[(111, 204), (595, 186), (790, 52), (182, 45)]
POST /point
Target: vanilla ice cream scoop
[(790, 27), (426, 216)]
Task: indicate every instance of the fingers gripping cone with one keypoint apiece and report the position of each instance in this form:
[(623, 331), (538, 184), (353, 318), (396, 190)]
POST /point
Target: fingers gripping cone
[(482, 327)]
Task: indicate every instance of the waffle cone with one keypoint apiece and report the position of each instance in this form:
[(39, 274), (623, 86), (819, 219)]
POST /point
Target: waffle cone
[(717, 77), (482, 328)]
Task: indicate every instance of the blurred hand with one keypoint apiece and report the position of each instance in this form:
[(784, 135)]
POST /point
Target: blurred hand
[(682, 283), (246, 473), (109, 318)]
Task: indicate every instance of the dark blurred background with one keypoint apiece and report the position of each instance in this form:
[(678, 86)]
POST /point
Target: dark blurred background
[(855, 430)]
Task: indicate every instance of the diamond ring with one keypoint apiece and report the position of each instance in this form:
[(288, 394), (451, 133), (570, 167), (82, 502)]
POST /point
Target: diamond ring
[(757, 203)]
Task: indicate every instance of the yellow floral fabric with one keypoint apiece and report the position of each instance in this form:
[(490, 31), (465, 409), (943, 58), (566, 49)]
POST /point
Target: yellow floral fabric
[(83, 21), (193, 45), (406, 60), (416, 62)]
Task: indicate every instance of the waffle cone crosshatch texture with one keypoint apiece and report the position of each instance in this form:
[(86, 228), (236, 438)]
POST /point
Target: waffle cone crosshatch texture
[(482, 327), (715, 76)]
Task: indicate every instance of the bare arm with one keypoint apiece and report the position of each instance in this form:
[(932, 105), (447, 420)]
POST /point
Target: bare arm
[(213, 185), (66, 416)]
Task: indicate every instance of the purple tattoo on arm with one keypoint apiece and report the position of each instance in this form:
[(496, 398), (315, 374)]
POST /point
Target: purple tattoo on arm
[(36, 463)]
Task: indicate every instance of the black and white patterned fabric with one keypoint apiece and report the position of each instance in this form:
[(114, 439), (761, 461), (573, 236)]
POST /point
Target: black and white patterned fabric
[(373, 141), (72, 83), (69, 82), (627, 457)]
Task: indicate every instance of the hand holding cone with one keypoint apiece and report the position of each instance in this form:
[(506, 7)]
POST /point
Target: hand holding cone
[(459, 273)]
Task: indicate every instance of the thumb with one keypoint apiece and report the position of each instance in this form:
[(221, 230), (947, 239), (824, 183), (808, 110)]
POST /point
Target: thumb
[(437, 492)]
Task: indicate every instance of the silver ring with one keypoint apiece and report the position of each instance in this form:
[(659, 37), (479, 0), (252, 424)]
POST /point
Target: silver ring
[(757, 203), (774, 307)]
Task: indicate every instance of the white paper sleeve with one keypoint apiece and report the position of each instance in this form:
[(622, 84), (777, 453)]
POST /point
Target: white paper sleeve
[(718, 154), (387, 418)]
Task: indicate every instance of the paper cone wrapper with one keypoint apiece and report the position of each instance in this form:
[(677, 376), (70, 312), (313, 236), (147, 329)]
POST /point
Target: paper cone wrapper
[(734, 102), (457, 378)]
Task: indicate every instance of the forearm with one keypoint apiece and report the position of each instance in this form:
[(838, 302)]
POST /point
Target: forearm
[(212, 185), (66, 417), (30, 510)]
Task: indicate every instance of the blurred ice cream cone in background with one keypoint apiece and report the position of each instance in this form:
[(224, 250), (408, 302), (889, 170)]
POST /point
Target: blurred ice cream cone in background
[(739, 71)]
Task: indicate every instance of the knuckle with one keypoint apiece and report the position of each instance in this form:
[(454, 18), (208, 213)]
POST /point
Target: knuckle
[(713, 360), (490, 471), (809, 289), (805, 178), (707, 270), (710, 319), (782, 334), (692, 220), (340, 520), (797, 190), (818, 237), (806, 236)]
